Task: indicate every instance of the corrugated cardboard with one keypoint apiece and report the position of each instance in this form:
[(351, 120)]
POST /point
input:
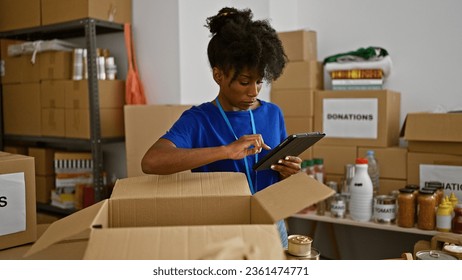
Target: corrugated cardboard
[(78, 123), (55, 65), (43, 160), (77, 114), (392, 161), (414, 160), (53, 122), (55, 11), (138, 139), (389, 104), (389, 185), (21, 109), (15, 150), (335, 157), (301, 75), (294, 103), (433, 132), (17, 14), (10, 163), (20, 69), (139, 205), (300, 45), (44, 185)]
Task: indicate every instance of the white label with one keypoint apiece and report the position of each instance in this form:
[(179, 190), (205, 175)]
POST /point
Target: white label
[(350, 117), (12, 203), (449, 175), (386, 212)]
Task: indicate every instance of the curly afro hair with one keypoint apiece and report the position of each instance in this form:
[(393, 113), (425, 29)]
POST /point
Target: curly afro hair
[(239, 42)]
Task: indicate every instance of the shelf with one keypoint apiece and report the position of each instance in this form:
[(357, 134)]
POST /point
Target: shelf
[(349, 222), (47, 208), (70, 29), (56, 142)]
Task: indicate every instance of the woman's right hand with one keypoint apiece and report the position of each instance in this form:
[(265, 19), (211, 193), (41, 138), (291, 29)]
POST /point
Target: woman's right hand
[(246, 145)]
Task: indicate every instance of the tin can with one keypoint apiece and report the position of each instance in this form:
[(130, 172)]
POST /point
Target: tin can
[(299, 245), (433, 255), (384, 209), (314, 255), (338, 206)]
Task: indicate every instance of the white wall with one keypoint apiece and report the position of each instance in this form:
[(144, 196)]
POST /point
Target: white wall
[(421, 36)]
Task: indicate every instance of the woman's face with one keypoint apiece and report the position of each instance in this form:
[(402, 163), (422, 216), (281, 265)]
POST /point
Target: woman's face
[(240, 94)]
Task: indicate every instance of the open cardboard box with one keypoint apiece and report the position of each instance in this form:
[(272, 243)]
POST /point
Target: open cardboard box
[(184, 216)]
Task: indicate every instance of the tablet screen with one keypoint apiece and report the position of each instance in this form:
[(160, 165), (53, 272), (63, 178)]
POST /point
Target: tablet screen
[(293, 145)]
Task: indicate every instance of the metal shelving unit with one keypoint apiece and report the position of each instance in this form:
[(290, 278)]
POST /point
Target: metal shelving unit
[(90, 29)]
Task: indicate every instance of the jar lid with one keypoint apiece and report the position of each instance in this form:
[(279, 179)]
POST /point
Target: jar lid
[(412, 187), (427, 191), (433, 255), (434, 184), (299, 239), (406, 190), (361, 161)]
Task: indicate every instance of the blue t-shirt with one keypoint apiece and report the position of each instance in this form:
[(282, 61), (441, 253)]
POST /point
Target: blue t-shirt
[(203, 126)]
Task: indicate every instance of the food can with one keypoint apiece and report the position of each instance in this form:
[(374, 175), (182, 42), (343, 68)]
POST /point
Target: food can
[(453, 250), (433, 255), (314, 255), (299, 245), (384, 209)]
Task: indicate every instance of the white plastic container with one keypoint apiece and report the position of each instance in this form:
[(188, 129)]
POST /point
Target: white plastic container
[(361, 193)]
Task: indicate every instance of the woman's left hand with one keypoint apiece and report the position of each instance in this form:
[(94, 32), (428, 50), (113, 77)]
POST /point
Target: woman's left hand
[(288, 166)]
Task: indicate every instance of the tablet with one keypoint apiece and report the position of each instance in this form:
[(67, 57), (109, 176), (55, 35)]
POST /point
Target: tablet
[(293, 145)]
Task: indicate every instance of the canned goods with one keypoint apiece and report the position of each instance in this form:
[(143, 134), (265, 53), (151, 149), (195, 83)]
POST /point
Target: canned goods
[(299, 245), (314, 255), (434, 255), (384, 209), (338, 206)]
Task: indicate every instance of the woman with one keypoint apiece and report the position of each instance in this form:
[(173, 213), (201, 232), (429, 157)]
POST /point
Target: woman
[(232, 131)]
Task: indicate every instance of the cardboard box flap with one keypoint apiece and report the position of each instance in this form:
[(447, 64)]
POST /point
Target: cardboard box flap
[(181, 243), (287, 197), (443, 127), (183, 184), (68, 227)]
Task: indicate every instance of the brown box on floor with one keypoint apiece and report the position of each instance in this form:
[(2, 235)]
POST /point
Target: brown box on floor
[(17, 200)]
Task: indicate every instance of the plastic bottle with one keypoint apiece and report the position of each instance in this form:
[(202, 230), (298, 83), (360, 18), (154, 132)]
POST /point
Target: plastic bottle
[(361, 193), (444, 217), (457, 220), (319, 173), (373, 170)]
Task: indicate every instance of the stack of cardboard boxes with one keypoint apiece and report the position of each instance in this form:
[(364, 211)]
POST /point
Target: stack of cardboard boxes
[(435, 149), (357, 121), (294, 91)]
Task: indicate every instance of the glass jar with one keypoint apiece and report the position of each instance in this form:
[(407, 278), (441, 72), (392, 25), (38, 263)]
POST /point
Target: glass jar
[(457, 220), (439, 190), (338, 206), (426, 209), (406, 208), (384, 209)]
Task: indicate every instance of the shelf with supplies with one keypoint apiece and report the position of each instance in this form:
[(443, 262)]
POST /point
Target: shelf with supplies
[(89, 29), (350, 222)]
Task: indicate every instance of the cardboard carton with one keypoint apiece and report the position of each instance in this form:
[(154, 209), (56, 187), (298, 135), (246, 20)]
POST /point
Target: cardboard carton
[(299, 45), (433, 132), (294, 103), (56, 11), (177, 216), (138, 139), (19, 14), (358, 118), (21, 109), (17, 200), (335, 157), (392, 161), (301, 75)]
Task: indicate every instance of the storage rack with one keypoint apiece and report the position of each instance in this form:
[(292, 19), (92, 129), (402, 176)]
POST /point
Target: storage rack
[(88, 28)]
